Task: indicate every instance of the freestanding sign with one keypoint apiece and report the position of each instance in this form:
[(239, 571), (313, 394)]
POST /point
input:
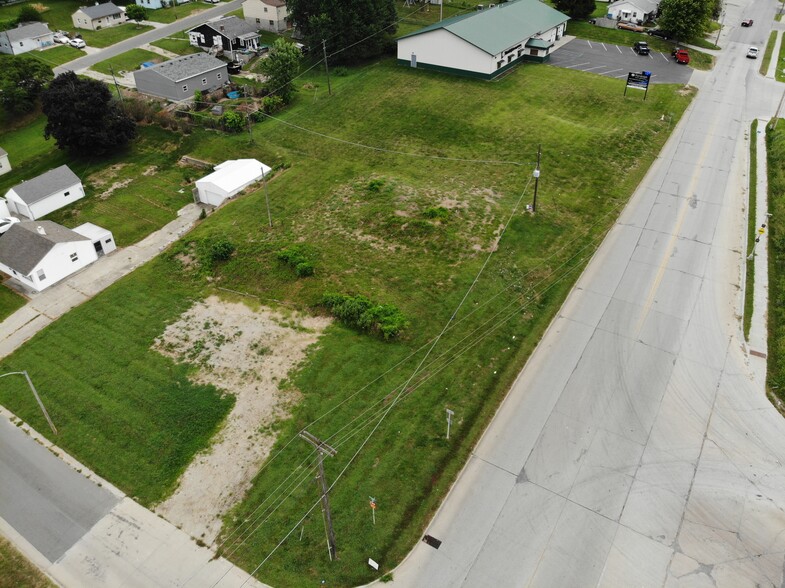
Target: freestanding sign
[(639, 81)]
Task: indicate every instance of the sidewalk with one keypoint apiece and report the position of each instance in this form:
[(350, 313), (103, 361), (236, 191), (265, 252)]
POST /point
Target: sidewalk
[(757, 343), (47, 306)]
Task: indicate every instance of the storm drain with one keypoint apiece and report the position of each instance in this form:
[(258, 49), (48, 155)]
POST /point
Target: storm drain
[(432, 541)]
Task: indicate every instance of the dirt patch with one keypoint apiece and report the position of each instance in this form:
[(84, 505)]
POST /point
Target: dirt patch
[(247, 353), (103, 177), (116, 186), (150, 171)]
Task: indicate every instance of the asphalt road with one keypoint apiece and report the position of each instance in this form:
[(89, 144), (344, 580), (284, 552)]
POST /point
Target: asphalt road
[(42, 498), (637, 447), (616, 61)]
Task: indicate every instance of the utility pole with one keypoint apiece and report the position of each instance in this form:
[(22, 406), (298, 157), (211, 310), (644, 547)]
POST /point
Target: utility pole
[(536, 178), (326, 68), (322, 448), (719, 30), (37, 397), (441, 10), (267, 198), (449, 421), (116, 86)]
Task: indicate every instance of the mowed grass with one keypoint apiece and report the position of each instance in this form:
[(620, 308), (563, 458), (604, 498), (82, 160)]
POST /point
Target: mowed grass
[(752, 225), (126, 411), (169, 15), (779, 66), (9, 302), (57, 55), (775, 165), (128, 61), (112, 35), (768, 50), (16, 571), (177, 44)]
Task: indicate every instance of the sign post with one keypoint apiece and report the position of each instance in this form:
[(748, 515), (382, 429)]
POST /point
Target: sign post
[(638, 81), (373, 508), (449, 421)]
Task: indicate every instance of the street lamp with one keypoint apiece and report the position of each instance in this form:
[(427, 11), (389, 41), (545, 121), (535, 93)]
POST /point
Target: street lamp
[(37, 397)]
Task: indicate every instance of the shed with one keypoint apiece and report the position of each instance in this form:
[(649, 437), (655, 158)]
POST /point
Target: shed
[(229, 179), (41, 253), (637, 11), (46, 193), (5, 165), (486, 43), (101, 238), (179, 78), (25, 38)]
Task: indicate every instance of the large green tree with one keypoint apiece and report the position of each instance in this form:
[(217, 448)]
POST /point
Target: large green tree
[(136, 12), (83, 117), (22, 79), (578, 9), (353, 29), (685, 19), (280, 67)]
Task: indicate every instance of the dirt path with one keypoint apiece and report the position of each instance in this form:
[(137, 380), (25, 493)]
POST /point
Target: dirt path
[(247, 353)]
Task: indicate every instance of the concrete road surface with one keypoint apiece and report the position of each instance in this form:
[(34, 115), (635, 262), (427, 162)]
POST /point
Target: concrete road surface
[(637, 447)]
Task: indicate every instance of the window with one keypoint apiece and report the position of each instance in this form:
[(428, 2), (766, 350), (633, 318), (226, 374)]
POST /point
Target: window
[(108, 240), (204, 81), (265, 9), (74, 257), (41, 275), (534, 52), (499, 64), (219, 76), (67, 193), (272, 22), (258, 21), (185, 87)]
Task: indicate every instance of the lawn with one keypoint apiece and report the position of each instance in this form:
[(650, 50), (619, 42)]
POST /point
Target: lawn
[(9, 302), (57, 55), (775, 165), (767, 52), (169, 15), (112, 35), (412, 231), (779, 66), (752, 225), (17, 571), (128, 61), (177, 44)]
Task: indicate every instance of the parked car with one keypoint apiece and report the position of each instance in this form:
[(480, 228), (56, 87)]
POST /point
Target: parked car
[(747, 23), (61, 37), (752, 53), (77, 43), (6, 222), (681, 55), (641, 47), (659, 33), (630, 26)]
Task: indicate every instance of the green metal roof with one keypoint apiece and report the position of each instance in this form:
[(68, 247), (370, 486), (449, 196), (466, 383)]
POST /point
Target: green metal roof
[(495, 29), (539, 44)]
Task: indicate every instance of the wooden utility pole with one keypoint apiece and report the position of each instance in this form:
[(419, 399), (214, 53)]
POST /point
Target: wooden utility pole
[(326, 68), (322, 448), (536, 178)]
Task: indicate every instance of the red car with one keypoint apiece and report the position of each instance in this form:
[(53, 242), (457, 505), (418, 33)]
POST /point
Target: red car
[(747, 23), (681, 55)]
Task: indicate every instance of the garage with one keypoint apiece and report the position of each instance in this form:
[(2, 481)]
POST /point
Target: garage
[(228, 180)]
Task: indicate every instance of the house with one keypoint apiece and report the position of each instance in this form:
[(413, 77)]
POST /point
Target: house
[(228, 179), (101, 238), (48, 192), (5, 165), (228, 34), (25, 38), (637, 11), (485, 43), (155, 4), (179, 78), (268, 15), (98, 16), (41, 253)]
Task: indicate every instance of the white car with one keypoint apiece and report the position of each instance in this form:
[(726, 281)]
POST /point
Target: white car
[(61, 38), (77, 43), (6, 222), (752, 53)]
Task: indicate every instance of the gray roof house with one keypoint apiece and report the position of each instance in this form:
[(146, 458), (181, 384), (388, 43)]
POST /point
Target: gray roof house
[(25, 38), (179, 78), (227, 34), (98, 16), (486, 43), (41, 253), (45, 193)]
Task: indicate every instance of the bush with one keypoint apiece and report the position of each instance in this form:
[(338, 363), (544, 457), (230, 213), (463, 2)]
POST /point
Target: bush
[(234, 122), (340, 71), (28, 14), (375, 186), (271, 104), (436, 212), (304, 269), (298, 257), (212, 251), (365, 315)]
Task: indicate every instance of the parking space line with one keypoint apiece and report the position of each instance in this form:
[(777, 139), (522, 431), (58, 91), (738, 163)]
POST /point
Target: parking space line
[(663, 56), (593, 68), (612, 71), (603, 46), (619, 48), (590, 45), (581, 64)]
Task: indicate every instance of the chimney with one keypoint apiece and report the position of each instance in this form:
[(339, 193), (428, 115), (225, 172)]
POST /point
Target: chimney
[(222, 28), (41, 230)]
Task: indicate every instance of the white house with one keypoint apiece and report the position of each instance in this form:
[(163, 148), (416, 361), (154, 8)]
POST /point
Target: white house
[(268, 15), (41, 253), (101, 238), (46, 193), (637, 11), (485, 43), (98, 16), (5, 165), (155, 4), (4, 212), (229, 179), (25, 38)]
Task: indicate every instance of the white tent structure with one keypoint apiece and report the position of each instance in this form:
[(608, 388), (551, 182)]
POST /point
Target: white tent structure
[(229, 179)]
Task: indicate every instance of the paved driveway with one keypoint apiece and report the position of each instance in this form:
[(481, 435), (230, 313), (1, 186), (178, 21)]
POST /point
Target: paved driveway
[(617, 61)]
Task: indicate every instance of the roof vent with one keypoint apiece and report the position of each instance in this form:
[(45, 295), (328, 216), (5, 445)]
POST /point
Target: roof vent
[(41, 230), (221, 27)]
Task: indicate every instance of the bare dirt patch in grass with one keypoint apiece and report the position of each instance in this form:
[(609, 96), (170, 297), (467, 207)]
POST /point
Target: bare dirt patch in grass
[(103, 177), (247, 353), (116, 186)]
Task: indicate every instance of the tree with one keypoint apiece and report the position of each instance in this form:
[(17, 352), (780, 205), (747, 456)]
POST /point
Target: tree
[(82, 116), (28, 14), (136, 12), (578, 9), (22, 79), (356, 29), (685, 19), (280, 67)]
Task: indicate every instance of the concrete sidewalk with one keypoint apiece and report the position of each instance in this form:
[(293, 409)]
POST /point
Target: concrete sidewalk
[(47, 306)]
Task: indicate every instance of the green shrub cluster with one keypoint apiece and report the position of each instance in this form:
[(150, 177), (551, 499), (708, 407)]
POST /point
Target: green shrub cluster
[(438, 212), (299, 258), (234, 122), (211, 252), (365, 315)]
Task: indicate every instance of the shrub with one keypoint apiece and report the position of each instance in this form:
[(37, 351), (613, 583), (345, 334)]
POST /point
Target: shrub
[(234, 122), (365, 315), (375, 186), (340, 71), (212, 251), (304, 269), (271, 104), (298, 257), (436, 212)]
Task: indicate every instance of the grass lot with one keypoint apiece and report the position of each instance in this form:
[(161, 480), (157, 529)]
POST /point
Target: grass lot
[(177, 44), (752, 225), (9, 302), (409, 231), (57, 55), (768, 50), (775, 161), (128, 61), (169, 15), (17, 571), (112, 35)]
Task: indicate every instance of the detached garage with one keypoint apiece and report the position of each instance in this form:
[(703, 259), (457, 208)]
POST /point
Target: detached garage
[(486, 43), (101, 238), (228, 180), (46, 193)]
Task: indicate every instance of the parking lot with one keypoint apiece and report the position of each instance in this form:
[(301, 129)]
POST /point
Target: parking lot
[(617, 61)]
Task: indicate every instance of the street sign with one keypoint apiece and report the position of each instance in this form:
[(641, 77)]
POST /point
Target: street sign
[(639, 81)]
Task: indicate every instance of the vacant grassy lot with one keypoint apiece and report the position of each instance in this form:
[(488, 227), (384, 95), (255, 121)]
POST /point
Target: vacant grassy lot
[(177, 44), (9, 302), (128, 61), (775, 161), (57, 55), (169, 15), (17, 572)]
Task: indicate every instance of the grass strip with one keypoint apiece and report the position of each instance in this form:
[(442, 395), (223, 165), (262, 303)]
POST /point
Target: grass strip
[(775, 158), (764, 64), (749, 282), (17, 571), (128, 61)]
